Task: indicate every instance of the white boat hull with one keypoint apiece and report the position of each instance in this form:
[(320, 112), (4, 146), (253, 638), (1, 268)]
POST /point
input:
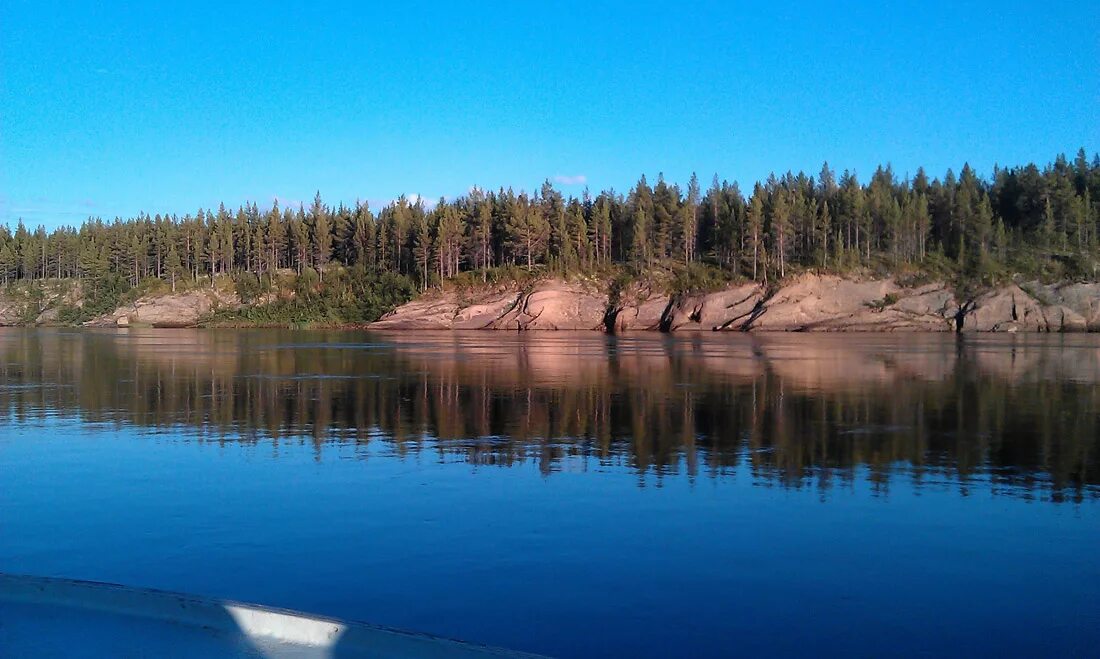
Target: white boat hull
[(43, 617)]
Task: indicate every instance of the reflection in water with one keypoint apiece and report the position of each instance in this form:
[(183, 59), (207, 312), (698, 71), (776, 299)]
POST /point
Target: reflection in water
[(1018, 415)]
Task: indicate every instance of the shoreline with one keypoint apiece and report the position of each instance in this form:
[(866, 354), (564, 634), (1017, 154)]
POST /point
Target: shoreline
[(807, 303), (822, 303)]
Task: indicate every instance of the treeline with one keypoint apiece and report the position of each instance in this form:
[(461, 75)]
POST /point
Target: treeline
[(1024, 219)]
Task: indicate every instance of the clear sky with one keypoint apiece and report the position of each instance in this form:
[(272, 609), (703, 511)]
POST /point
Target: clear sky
[(165, 107)]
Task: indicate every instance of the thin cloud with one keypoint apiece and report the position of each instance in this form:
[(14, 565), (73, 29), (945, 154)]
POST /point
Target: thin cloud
[(286, 203), (42, 206), (39, 210), (574, 179), (414, 198)]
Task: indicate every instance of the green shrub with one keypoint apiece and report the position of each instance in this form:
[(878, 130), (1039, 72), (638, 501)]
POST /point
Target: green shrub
[(351, 296), (101, 296), (698, 278)]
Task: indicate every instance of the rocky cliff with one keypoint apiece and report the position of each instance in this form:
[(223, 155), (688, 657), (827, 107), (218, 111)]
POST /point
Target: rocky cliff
[(820, 303)]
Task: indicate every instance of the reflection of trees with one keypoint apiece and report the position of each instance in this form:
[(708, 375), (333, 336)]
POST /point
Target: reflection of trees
[(794, 411)]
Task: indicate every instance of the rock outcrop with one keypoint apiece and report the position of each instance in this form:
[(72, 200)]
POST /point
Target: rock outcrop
[(732, 308), (550, 305), (174, 310), (556, 305), (481, 314), (1071, 307), (809, 303), (26, 305), (636, 307), (14, 311), (1006, 309), (645, 313), (425, 313), (834, 304), (451, 310)]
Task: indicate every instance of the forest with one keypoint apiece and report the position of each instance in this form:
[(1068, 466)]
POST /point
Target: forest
[(352, 263)]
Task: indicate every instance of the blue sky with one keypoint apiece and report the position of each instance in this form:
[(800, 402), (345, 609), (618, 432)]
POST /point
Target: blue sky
[(110, 110)]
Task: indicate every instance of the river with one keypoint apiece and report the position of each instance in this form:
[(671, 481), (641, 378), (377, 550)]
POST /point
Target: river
[(576, 494)]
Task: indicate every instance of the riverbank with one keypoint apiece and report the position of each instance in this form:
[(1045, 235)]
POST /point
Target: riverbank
[(810, 302), (805, 303)]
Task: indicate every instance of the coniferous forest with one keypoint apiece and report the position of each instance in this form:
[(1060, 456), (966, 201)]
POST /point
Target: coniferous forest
[(352, 263)]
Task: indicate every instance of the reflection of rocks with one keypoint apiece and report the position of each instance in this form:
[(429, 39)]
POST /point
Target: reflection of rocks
[(790, 405), (1030, 359), (818, 303), (821, 362), (511, 361)]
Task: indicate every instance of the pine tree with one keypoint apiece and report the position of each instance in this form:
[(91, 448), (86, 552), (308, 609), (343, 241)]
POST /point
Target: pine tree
[(665, 205), (641, 214), (600, 226), (577, 228), (689, 219), (980, 234), (298, 236), (1047, 228), (422, 250), (8, 263), (173, 265), (447, 231), (342, 248), (527, 230), (320, 235), (481, 236), (553, 213), (755, 228), (781, 227), (363, 236)]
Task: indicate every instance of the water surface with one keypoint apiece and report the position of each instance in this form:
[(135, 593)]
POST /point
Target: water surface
[(575, 494)]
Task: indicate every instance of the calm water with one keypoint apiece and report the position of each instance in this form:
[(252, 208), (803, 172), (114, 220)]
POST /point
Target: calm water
[(575, 494)]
